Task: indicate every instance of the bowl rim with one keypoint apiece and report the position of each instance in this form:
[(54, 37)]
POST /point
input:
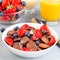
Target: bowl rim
[(28, 51)]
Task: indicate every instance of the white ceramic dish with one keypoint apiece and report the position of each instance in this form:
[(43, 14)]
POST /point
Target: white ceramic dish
[(25, 53)]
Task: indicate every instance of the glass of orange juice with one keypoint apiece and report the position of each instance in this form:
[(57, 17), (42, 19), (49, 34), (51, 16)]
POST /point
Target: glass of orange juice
[(50, 11)]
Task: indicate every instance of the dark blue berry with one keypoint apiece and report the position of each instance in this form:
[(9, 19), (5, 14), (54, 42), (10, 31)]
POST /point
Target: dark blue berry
[(43, 31), (2, 29), (17, 16), (15, 36), (1, 13), (37, 42), (18, 9), (16, 28), (27, 34), (23, 3)]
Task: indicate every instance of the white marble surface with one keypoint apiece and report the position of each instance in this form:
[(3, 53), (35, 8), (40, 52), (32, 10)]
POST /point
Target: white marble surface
[(54, 54)]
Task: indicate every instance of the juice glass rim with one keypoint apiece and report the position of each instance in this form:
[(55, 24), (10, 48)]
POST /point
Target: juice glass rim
[(51, 2)]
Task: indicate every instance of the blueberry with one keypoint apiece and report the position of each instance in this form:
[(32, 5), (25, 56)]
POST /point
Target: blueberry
[(1, 13), (23, 3), (2, 29), (27, 34), (15, 35), (37, 42), (17, 16), (43, 31), (18, 9), (16, 28)]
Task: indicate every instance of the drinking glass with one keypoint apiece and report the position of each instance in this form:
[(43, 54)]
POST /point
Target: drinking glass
[(30, 4), (50, 11)]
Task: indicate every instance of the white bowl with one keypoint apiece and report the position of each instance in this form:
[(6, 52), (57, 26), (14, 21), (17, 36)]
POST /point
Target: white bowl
[(25, 53)]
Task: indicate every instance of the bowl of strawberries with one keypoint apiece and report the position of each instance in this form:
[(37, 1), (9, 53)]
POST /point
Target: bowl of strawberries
[(30, 40), (10, 10)]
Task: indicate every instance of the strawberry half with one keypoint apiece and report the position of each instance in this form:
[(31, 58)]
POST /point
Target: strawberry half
[(25, 49), (25, 26), (33, 37), (44, 27), (9, 41), (0, 8), (52, 40), (38, 33), (20, 32), (6, 18)]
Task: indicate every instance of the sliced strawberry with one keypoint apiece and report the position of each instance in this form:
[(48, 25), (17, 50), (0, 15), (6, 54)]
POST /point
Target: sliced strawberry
[(52, 40), (16, 1), (25, 26), (38, 33), (44, 27), (13, 1), (0, 8), (6, 11), (6, 18), (5, 3), (1, 18), (25, 49), (15, 5), (12, 10), (9, 41), (33, 37), (20, 32)]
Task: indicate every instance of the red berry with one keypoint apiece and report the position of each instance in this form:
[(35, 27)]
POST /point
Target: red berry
[(14, 1), (44, 27), (0, 8), (12, 10), (6, 11), (20, 32), (52, 40), (6, 18), (1, 18), (15, 5), (38, 34), (17, 2), (9, 41), (5, 3), (25, 49), (33, 37), (25, 26)]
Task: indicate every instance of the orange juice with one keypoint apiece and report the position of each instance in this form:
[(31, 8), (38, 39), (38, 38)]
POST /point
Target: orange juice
[(50, 9)]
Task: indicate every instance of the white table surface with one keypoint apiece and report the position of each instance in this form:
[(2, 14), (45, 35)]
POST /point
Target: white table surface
[(54, 54)]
